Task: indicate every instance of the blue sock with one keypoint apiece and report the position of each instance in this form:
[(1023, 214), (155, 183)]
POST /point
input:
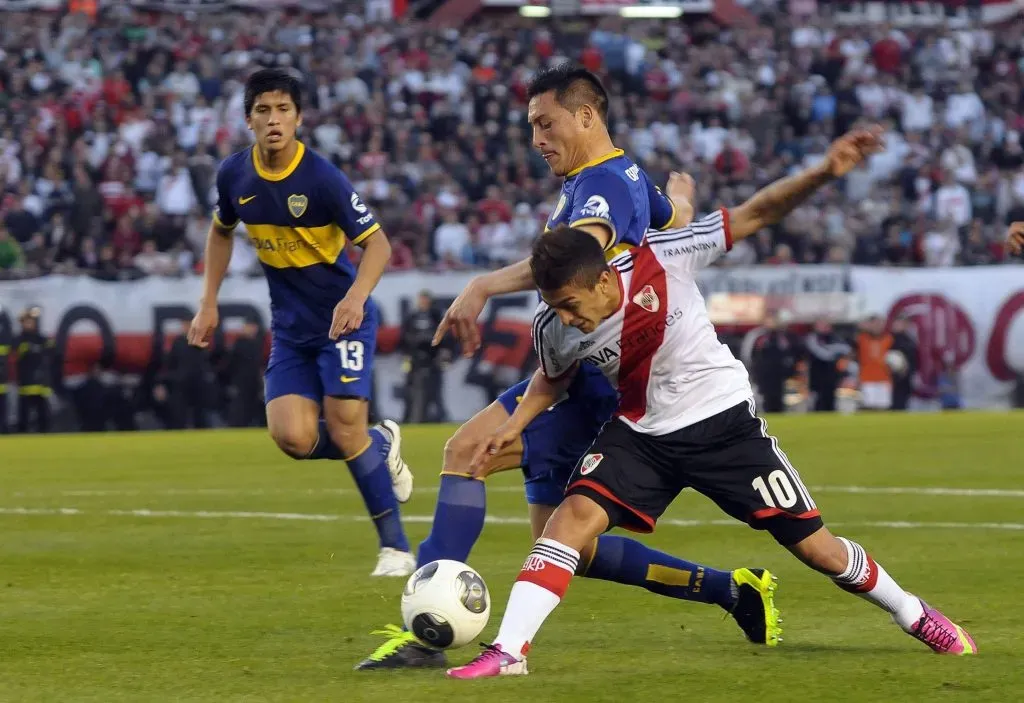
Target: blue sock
[(371, 475), (625, 560), (324, 448), (458, 520)]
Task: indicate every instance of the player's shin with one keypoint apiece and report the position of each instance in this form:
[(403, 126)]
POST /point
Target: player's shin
[(627, 561), (864, 577), (458, 520), (370, 472), (542, 582)]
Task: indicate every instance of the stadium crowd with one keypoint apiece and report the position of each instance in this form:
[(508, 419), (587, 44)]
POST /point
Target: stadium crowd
[(111, 131)]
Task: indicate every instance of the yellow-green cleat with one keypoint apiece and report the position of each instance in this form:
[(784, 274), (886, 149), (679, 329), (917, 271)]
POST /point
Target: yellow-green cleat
[(402, 651), (755, 610)]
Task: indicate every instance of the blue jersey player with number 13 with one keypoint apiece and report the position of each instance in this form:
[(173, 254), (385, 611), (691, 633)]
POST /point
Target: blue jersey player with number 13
[(301, 212)]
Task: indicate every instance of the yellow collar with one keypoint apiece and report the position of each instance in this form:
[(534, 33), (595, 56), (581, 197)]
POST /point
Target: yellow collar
[(614, 154), (280, 175)]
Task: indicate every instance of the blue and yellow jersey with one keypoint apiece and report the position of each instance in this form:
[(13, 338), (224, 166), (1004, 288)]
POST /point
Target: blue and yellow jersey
[(299, 221), (616, 192)]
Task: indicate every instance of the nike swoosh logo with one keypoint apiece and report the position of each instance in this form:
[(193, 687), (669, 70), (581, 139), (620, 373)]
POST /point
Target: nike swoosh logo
[(349, 379), (243, 201)]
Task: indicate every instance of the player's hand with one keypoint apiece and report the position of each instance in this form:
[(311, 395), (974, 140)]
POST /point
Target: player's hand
[(460, 319), (847, 152), (506, 434), (348, 315), (1015, 238), (203, 325), (680, 189)]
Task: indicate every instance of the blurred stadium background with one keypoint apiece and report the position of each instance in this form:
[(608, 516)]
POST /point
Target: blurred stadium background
[(114, 116)]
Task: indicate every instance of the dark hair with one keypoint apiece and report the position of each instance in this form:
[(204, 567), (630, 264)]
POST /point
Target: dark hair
[(268, 80), (574, 86), (564, 256)]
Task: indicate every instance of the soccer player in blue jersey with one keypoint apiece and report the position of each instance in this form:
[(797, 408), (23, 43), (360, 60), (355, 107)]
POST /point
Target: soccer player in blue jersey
[(613, 199), (300, 213)]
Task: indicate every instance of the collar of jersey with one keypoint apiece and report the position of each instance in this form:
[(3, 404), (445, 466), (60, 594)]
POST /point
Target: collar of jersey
[(616, 153), (281, 175)]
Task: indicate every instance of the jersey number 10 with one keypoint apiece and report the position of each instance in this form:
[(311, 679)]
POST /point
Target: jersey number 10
[(351, 353)]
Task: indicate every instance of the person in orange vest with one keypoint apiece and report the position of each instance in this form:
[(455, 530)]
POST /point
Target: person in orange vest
[(873, 343)]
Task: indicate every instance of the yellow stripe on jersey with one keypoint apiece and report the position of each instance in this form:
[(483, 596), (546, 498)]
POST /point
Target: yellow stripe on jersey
[(281, 175), (217, 221), (616, 250), (614, 154), (671, 218), (583, 221), (366, 233), (294, 247)]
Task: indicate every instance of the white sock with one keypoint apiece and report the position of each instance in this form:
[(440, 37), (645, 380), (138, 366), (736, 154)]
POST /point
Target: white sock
[(866, 578), (537, 592)]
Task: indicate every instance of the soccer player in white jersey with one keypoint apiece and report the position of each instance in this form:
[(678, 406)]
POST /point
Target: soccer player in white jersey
[(685, 418)]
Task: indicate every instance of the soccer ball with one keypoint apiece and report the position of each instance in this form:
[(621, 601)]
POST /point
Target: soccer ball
[(446, 604)]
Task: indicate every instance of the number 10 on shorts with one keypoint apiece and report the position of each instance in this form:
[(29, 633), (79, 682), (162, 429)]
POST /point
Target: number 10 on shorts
[(777, 491), (351, 352)]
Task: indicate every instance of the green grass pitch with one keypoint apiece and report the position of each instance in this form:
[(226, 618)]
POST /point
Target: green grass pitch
[(205, 566)]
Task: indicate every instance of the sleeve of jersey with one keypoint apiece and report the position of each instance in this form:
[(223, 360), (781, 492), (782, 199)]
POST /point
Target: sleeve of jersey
[(547, 344), (663, 211), (348, 209), (695, 246), (602, 199), (224, 214)]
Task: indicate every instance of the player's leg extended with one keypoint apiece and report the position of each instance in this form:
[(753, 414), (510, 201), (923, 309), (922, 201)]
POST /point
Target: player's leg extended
[(769, 494)]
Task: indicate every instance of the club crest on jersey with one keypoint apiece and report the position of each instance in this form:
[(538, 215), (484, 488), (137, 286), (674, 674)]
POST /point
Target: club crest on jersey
[(297, 204), (596, 206), (647, 299), (590, 462)]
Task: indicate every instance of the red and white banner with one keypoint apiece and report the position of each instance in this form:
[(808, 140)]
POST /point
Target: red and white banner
[(975, 316), (957, 14)]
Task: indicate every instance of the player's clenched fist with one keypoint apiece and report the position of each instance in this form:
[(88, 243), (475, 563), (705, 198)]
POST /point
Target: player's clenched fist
[(1015, 238), (348, 316), (845, 153), (506, 434), (203, 325)]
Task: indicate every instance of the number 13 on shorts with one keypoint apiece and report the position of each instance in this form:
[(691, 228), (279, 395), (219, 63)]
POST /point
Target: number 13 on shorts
[(350, 352)]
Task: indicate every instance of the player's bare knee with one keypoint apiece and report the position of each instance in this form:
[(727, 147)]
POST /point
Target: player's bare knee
[(458, 452), (577, 522), (294, 441)]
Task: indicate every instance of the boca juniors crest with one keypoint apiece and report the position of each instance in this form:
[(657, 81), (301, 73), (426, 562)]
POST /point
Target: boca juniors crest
[(297, 204)]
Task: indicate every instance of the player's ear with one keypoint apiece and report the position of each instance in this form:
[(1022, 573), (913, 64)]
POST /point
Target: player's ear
[(298, 120), (586, 115)]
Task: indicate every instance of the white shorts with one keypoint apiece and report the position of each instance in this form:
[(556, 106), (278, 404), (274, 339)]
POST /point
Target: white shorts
[(876, 396)]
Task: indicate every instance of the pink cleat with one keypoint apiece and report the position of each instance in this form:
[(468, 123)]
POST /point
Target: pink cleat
[(942, 634), (493, 661)]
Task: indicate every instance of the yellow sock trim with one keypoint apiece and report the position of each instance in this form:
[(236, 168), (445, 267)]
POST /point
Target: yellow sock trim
[(360, 452), (461, 474), (668, 576)]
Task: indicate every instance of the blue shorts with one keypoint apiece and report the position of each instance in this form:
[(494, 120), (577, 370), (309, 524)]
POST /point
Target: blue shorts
[(554, 442), (341, 369)]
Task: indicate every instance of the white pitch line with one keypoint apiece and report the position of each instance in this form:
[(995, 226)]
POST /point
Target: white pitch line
[(866, 490), (492, 519)]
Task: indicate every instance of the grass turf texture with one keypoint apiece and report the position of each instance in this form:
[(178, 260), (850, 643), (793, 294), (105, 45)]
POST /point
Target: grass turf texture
[(107, 604)]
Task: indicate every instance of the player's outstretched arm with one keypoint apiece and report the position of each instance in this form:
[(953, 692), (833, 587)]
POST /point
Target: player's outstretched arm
[(348, 313), (219, 244), (770, 204), (1015, 238), (541, 394), (679, 189), (461, 316)]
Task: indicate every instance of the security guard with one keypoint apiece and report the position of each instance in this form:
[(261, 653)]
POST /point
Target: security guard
[(34, 355)]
